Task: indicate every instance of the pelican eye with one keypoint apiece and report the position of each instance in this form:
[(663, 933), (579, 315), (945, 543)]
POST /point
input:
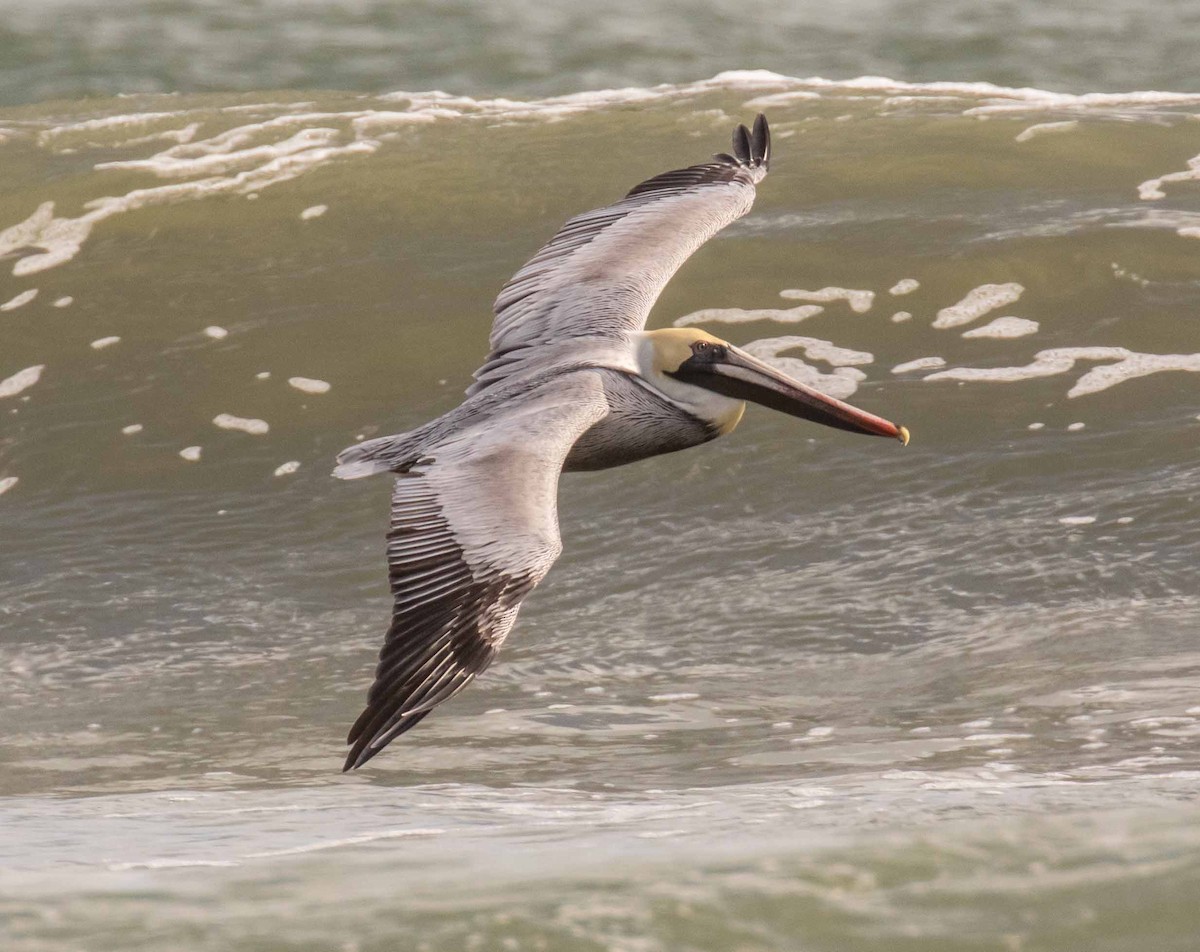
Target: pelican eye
[(707, 350)]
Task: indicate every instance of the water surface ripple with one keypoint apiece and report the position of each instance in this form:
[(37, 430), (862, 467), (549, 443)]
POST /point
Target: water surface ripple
[(793, 689)]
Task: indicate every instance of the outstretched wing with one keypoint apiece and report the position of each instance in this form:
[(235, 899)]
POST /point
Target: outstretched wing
[(474, 529), (601, 274)]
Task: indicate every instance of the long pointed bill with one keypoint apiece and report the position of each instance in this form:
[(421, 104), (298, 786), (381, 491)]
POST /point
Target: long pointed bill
[(744, 377)]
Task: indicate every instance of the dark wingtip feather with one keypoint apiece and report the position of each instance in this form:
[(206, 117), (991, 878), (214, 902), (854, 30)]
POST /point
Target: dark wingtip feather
[(359, 756), (741, 144), (362, 751), (750, 149), (760, 142)]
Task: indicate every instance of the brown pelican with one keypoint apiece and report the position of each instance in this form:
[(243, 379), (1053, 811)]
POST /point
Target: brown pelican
[(573, 382)]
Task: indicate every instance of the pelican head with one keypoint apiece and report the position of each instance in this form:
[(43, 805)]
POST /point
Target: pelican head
[(712, 378)]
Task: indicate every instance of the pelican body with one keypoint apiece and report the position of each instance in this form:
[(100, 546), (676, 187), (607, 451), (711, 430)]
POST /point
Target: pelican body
[(573, 382)]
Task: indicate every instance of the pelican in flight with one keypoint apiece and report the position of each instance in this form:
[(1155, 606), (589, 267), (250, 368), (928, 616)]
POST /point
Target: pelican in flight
[(573, 382)]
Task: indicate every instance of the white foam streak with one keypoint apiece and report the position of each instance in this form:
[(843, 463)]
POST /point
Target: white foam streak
[(80, 133), (60, 239), (1030, 98), (993, 99), (1004, 328), (7, 483), (228, 163), (20, 381), (559, 106), (344, 841), (978, 301), (780, 99), (1131, 366), (241, 137), (1152, 189), (860, 301), (841, 383), (154, 864), (49, 137), (920, 363), (20, 300), (815, 349), (309, 385), (227, 421), (737, 315), (1046, 128), (316, 847), (1047, 363), (186, 134), (904, 286), (219, 162), (375, 124)]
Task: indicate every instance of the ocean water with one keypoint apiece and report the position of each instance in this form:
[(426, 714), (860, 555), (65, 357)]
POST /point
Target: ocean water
[(67, 49), (790, 690)]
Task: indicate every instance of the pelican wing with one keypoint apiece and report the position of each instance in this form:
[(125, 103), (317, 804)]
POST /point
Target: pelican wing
[(474, 528), (601, 274)]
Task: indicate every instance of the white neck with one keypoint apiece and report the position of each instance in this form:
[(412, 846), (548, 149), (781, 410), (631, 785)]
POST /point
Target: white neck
[(718, 411)]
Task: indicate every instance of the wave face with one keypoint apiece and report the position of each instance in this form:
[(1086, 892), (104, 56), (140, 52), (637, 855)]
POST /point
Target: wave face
[(791, 689)]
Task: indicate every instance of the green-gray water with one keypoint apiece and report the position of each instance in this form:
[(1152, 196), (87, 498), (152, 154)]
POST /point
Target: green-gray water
[(792, 690), (52, 49)]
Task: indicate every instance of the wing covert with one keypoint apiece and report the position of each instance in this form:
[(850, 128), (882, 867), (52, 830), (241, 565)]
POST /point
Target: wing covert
[(602, 272)]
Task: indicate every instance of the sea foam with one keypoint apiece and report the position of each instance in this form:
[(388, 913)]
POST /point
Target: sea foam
[(978, 301), (1125, 365)]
